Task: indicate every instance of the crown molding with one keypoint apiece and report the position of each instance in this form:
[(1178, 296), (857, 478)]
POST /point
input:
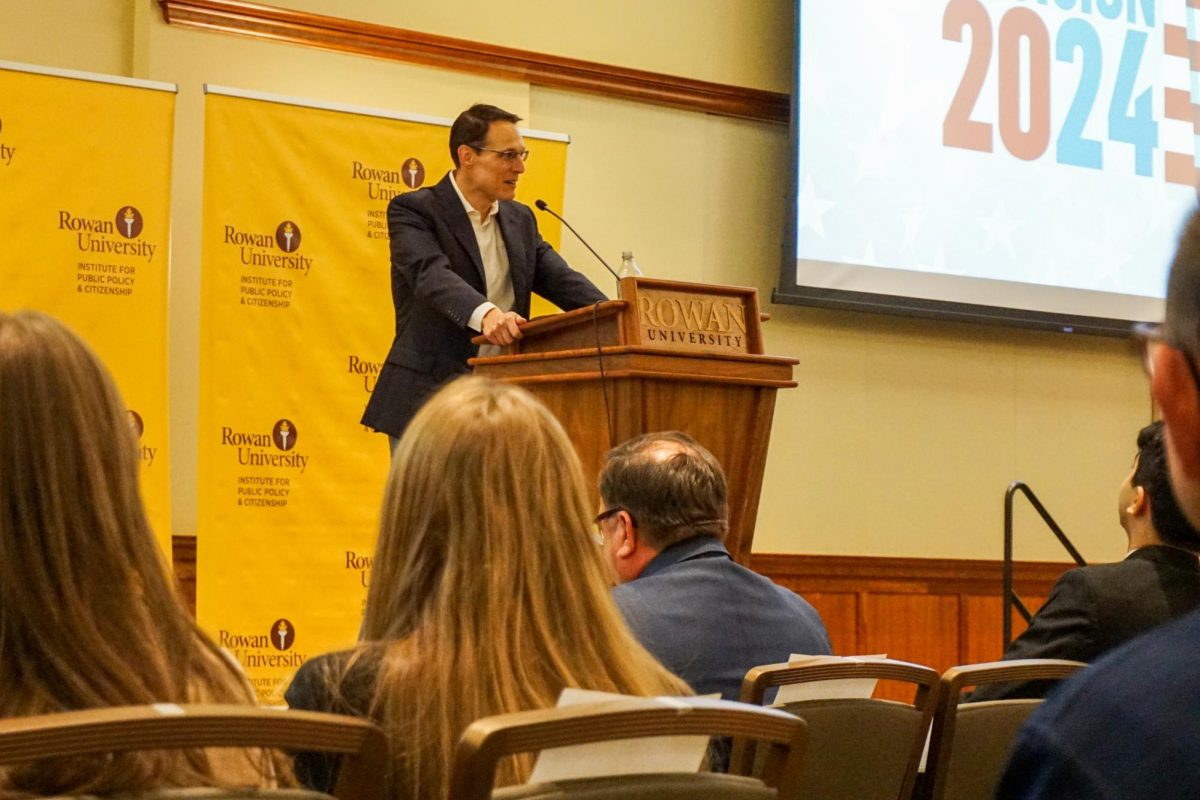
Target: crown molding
[(275, 24)]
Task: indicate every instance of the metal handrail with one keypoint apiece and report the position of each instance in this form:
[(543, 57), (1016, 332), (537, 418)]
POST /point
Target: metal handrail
[(1010, 597)]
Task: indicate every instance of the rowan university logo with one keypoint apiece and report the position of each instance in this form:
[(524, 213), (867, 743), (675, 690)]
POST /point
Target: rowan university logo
[(283, 634), (287, 236), (414, 173), (284, 434), (129, 222)]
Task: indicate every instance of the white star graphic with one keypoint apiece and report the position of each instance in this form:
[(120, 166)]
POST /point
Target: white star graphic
[(872, 158), (999, 226), (868, 257), (912, 224), (811, 209), (1107, 259), (939, 264)]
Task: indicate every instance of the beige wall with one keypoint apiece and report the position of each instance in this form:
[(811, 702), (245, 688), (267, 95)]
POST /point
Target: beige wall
[(903, 434), (90, 35)]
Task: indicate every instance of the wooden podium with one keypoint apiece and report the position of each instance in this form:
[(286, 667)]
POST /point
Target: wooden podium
[(668, 355)]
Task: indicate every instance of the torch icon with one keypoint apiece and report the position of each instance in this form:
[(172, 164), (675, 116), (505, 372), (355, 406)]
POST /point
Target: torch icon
[(129, 219), (287, 234), (285, 430), (412, 173), (282, 632)]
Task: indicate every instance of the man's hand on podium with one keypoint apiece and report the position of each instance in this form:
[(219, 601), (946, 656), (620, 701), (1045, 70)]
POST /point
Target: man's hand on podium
[(501, 327)]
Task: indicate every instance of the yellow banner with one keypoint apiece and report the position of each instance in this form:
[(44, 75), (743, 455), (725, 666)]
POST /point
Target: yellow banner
[(85, 166), (296, 318)]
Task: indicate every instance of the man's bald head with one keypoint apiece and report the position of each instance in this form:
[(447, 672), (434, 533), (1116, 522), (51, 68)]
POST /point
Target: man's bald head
[(670, 484)]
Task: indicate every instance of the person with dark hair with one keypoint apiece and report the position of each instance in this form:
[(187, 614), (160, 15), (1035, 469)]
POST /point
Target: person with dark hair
[(705, 617), (1093, 609), (466, 258), (1127, 727)]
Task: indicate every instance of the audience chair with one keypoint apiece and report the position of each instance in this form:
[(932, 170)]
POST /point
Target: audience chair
[(489, 740), (858, 748), (165, 726), (970, 741)]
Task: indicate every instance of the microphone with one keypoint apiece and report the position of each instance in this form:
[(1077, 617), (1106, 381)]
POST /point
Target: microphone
[(541, 204)]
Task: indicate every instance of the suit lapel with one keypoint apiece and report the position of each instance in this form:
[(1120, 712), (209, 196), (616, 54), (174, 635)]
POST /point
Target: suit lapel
[(514, 243), (459, 224)]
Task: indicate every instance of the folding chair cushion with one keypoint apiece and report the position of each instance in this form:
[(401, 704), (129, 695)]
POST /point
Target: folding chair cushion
[(863, 746), (986, 731)]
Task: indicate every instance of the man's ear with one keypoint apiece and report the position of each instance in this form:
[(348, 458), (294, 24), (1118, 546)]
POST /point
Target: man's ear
[(1140, 503), (629, 542), (1176, 394), (465, 154)]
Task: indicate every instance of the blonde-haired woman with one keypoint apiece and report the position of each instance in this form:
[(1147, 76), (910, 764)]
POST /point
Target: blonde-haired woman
[(88, 618), (488, 593)]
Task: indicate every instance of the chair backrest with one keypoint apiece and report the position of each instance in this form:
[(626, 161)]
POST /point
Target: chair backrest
[(858, 748), (488, 740), (361, 744), (969, 742)]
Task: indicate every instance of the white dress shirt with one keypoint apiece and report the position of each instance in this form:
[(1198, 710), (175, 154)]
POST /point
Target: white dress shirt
[(495, 260)]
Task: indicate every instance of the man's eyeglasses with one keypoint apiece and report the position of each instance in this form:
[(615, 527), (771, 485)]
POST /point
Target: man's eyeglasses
[(608, 513), (1153, 334), (508, 156)]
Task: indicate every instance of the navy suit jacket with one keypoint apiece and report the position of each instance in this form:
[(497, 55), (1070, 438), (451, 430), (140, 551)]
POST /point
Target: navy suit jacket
[(1126, 728), (1091, 610), (438, 281), (709, 620)]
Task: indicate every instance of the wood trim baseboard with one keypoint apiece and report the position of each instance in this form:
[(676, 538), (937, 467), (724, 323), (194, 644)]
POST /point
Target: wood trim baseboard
[(810, 573), (538, 69)]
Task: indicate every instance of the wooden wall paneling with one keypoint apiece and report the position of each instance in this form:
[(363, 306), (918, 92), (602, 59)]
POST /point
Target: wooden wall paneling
[(983, 626), (538, 69), (937, 612), (919, 628), (839, 610)]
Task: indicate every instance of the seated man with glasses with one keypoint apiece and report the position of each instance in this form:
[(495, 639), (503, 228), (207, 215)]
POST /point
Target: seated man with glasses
[(465, 259), (707, 618)]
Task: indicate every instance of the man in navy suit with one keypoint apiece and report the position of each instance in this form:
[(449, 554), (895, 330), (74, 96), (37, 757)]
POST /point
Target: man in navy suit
[(466, 258), (707, 618)]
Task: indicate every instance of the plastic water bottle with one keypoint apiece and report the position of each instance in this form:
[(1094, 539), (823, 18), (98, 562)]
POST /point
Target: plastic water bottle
[(629, 267)]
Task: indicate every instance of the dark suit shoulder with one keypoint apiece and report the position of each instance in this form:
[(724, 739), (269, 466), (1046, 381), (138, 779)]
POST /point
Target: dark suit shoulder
[(439, 195), (419, 200), (1147, 569), (341, 682), (337, 683), (517, 209)]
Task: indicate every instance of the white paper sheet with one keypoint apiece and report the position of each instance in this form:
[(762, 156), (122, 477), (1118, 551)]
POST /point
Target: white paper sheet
[(620, 757), (827, 690)]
